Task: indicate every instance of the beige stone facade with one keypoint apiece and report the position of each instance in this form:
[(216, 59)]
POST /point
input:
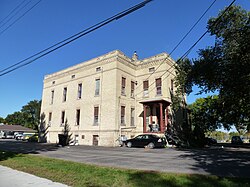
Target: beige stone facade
[(107, 97)]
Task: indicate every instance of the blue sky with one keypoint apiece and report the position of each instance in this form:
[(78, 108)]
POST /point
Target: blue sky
[(156, 28)]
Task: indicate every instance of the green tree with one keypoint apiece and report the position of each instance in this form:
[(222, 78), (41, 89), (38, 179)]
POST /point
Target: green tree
[(224, 67), (2, 120), (204, 117), (17, 118), (31, 112)]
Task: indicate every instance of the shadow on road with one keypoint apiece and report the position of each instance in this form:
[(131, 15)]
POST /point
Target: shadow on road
[(15, 147), (219, 161)]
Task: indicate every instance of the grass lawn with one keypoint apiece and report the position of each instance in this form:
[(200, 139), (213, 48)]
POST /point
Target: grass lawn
[(77, 174)]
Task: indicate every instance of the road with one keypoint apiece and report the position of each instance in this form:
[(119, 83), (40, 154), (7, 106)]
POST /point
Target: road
[(228, 161)]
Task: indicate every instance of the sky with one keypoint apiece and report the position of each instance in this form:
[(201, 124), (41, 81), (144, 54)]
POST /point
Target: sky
[(154, 29)]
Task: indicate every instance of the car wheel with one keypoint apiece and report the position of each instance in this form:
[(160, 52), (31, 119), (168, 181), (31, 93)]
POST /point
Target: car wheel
[(129, 144), (151, 145)]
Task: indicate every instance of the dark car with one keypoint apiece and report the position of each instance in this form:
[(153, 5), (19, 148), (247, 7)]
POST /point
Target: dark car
[(236, 140), (149, 140), (210, 141)]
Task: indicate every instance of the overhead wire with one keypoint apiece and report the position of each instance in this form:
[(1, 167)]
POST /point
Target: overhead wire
[(12, 11), (15, 13), (21, 16), (190, 49), (183, 38), (72, 38)]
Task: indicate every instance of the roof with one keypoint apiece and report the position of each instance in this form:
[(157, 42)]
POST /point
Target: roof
[(17, 128), (153, 101)]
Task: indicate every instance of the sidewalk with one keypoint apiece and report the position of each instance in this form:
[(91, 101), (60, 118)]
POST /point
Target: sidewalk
[(13, 178)]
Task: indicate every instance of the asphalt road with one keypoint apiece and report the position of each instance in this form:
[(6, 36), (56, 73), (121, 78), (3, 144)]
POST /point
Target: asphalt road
[(227, 161)]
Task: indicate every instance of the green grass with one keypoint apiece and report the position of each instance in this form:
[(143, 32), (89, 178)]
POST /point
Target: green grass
[(76, 174)]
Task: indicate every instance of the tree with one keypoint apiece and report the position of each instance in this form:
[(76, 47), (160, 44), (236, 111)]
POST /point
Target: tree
[(31, 112), (29, 116), (2, 120), (17, 118), (204, 117), (224, 67)]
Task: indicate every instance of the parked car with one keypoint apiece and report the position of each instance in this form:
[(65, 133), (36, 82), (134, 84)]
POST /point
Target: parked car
[(9, 135), (236, 140), (210, 141), (149, 140), (26, 136), (33, 138), (19, 136)]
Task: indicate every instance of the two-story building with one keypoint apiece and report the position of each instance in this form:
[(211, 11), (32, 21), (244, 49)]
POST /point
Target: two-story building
[(108, 97)]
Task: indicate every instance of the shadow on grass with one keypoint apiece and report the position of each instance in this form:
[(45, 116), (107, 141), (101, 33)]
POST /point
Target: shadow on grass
[(6, 155), (148, 179), (229, 162)]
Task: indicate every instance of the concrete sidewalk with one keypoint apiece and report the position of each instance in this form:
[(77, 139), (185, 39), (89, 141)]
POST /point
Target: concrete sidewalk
[(12, 178)]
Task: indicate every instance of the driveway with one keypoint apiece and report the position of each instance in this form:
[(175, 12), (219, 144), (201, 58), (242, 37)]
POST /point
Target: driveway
[(233, 162)]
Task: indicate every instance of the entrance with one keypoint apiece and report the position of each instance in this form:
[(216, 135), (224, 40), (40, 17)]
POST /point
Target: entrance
[(95, 140)]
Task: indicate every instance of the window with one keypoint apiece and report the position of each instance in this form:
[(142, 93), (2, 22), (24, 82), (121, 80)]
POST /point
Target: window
[(97, 87), (98, 69), (158, 86), (52, 96), (78, 117), (73, 76), (76, 139), (64, 94), (79, 91), (151, 69), (122, 115), (50, 118), (132, 113), (145, 88), (62, 118), (132, 89), (53, 82), (123, 86), (172, 86), (96, 115)]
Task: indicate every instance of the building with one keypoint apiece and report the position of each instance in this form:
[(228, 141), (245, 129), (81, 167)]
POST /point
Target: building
[(9, 131), (108, 97)]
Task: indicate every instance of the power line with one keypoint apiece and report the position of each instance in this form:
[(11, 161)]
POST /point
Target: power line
[(20, 17), (183, 38), (72, 38), (12, 11), (190, 49), (18, 10)]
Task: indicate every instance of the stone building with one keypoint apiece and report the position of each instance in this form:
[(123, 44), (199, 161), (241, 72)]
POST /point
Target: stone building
[(109, 97)]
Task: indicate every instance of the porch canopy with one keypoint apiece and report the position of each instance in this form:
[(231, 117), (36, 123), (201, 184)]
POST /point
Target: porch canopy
[(159, 109)]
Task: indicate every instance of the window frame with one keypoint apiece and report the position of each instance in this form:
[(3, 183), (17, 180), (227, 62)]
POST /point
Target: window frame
[(52, 97), (79, 91), (123, 111), (145, 88), (97, 86), (158, 86), (63, 118), (132, 116), (65, 90), (132, 95), (78, 117), (96, 115), (123, 86)]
